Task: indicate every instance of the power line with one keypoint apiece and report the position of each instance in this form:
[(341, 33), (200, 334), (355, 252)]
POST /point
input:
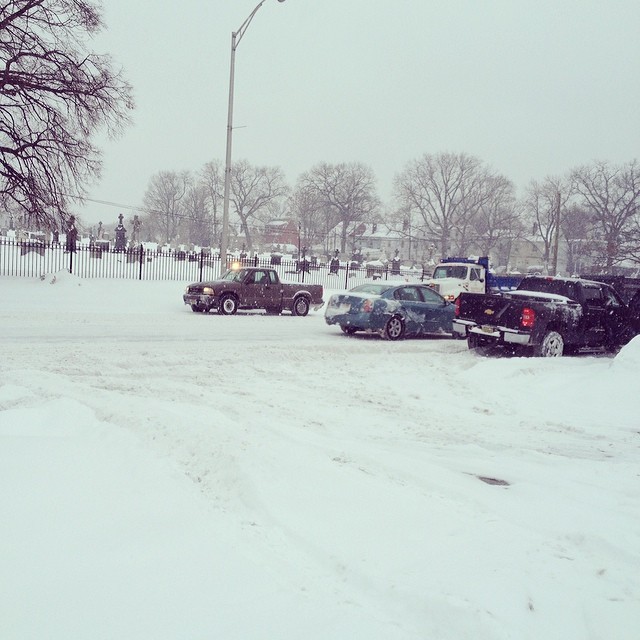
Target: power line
[(114, 204)]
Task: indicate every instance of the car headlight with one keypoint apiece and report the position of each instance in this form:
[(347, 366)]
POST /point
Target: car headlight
[(208, 291)]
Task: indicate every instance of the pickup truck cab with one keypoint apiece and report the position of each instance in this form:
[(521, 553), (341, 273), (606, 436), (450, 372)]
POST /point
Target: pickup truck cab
[(453, 276), (253, 288), (550, 316)]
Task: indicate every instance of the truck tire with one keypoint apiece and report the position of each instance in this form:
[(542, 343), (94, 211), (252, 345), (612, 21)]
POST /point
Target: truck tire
[(300, 306), (551, 345), (394, 329), (228, 305)]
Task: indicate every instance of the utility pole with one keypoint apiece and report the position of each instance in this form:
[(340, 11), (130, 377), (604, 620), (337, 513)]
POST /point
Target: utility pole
[(556, 240)]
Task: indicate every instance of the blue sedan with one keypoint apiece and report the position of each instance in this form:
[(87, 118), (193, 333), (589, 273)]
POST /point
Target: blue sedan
[(392, 310)]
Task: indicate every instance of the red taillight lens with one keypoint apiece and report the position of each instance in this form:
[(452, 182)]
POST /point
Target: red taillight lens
[(367, 306), (457, 306), (528, 318)]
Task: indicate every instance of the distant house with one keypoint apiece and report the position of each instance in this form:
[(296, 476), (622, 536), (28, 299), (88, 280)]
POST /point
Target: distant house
[(282, 231), (380, 241)]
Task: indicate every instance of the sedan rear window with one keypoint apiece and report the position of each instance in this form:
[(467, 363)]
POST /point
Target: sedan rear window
[(373, 289)]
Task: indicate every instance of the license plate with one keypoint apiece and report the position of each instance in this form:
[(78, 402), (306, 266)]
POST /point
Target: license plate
[(485, 328)]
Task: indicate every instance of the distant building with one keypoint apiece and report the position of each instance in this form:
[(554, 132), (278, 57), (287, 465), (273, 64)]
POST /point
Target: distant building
[(283, 231), (380, 241)]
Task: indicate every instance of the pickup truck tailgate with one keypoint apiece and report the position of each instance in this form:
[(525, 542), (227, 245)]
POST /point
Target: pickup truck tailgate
[(486, 309)]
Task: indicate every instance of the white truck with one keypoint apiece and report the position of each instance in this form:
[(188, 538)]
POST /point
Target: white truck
[(456, 275)]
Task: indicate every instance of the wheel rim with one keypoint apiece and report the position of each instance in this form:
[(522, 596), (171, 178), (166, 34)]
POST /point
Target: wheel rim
[(553, 346), (301, 307), (394, 328), (228, 305)]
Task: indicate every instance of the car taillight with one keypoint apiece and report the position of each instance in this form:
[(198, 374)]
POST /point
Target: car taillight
[(458, 306), (528, 318), (367, 306)]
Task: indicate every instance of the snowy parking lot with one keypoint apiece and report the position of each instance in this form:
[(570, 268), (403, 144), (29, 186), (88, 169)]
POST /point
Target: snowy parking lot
[(166, 474)]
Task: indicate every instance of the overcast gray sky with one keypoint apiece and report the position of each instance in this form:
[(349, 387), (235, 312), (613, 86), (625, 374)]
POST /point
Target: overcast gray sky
[(533, 88)]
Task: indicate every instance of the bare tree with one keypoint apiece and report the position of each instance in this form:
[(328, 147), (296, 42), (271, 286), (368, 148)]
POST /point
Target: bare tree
[(633, 238), (197, 219), (445, 191), (611, 194), (314, 216), (165, 202), (54, 97), (577, 229), (346, 190), (541, 211), (211, 178), (497, 221), (253, 190)]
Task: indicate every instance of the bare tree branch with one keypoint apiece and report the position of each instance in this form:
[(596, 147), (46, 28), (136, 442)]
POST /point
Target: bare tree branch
[(54, 97)]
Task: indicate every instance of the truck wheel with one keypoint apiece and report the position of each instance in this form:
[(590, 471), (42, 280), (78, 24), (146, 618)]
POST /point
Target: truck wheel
[(196, 308), (228, 305), (394, 329), (300, 306), (551, 345), (349, 330)]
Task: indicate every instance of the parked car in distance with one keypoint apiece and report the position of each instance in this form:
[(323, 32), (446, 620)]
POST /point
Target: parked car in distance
[(392, 310), (253, 288)]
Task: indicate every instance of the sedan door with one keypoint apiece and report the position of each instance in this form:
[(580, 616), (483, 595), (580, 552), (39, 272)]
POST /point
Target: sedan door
[(438, 312), (414, 307)]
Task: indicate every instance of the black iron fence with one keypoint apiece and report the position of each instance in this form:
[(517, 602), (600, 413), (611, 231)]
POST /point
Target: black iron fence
[(33, 259)]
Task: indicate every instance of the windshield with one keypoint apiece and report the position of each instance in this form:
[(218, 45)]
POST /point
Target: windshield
[(234, 275), (450, 271)]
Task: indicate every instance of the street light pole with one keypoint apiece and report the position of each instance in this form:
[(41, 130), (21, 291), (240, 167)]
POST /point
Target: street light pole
[(236, 37)]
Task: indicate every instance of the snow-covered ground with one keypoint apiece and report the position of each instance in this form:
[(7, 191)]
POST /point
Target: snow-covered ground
[(172, 475)]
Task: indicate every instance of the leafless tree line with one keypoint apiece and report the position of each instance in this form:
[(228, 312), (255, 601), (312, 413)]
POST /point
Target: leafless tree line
[(454, 201)]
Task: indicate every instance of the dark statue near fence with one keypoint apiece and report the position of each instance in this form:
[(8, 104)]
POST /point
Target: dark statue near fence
[(121, 235), (334, 265), (72, 235), (136, 230)]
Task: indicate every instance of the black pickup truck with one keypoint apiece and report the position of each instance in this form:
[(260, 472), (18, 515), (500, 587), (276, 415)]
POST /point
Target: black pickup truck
[(548, 316)]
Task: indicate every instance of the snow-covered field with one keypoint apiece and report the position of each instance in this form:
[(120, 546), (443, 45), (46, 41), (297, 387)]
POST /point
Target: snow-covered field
[(171, 475)]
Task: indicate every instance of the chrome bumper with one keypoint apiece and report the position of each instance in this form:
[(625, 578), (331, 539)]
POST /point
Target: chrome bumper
[(198, 298), (497, 334)]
